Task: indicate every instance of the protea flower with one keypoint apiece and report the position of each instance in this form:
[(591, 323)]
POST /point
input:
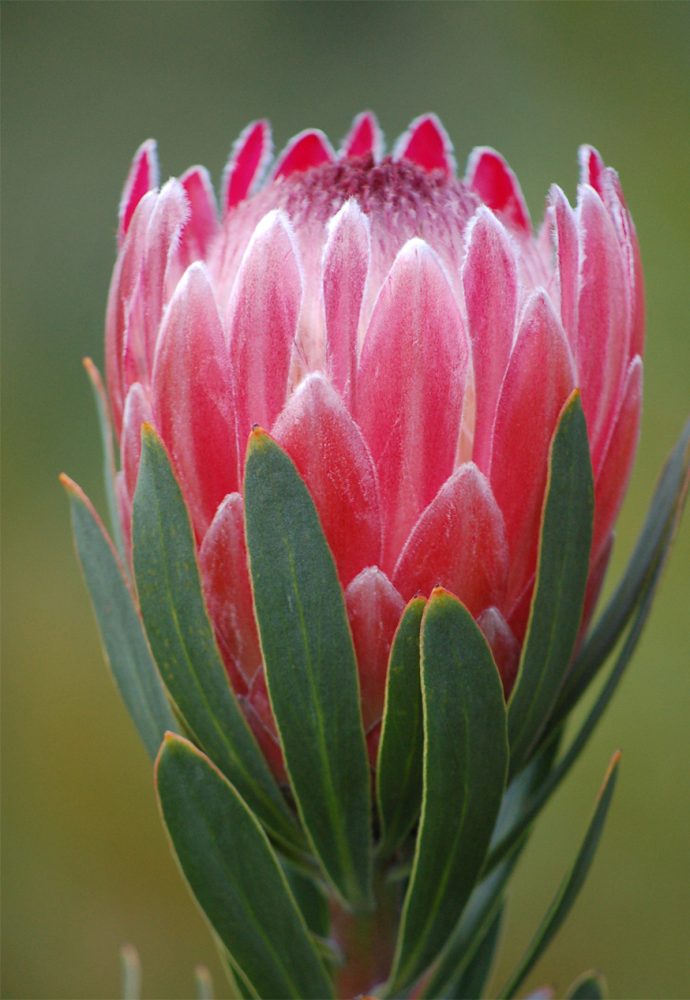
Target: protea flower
[(407, 338), (374, 433)]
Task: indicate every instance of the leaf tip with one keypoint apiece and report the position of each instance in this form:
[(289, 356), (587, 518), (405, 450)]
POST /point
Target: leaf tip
[(610, 771), (258, 439)]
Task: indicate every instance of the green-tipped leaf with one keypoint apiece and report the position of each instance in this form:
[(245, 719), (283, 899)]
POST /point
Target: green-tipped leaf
[(510, 840), (183, 643), (564, 544), (102, 409), (651, 548), (471, 982), (126, 649), (570, 887), (310, 667), (235, 876), (462, 950), (465, 761), (588, 986), (399, 762), (311, 900)]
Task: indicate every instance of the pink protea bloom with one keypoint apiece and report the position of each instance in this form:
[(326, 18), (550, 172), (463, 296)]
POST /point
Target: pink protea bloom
[(406, 338)]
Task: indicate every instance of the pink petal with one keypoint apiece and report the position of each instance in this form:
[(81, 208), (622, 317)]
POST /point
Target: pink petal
[(345, 267), (364, 138), (192, 397), (122, 285), (427, 143), (264, 311), (504, 646), (566, 240), (308, 149), (616, 466), (329, 451), (137, 412), (601, 344), (458, 543), (592, 168), (490, 282), (410, 388), (491, 178), (161, 267), (248, 160), (225, 578), (202, 225), (606, 183), (374, 608), (142, 177), (538, 381)]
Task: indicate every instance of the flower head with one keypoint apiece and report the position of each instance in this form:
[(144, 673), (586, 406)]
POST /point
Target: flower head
[(406, 338)]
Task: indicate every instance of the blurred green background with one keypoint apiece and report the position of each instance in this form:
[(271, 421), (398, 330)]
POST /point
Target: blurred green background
[(85, 863)]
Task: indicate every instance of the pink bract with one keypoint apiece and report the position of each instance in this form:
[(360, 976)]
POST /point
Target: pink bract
[(406, 338)]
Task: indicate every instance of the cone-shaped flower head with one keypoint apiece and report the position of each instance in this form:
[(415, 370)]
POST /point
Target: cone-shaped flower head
[(408, 340)]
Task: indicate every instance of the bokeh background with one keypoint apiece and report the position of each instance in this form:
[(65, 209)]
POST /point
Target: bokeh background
[(85, 863)]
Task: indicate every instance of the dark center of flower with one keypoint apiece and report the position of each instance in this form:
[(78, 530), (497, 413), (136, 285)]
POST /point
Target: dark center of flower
[(398, 190)]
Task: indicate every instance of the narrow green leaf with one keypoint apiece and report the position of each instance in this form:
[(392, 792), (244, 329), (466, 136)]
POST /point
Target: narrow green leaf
[(570, 887), (311, 900), (465, 761), (652, 545), (588, 986), (108, 452), (183, 643), (564, 544), (310, 667), (487, 897), (545, 790), (203, 983), (122, 633), (471, 982), (399, 763), (131, 972), (235, 876)]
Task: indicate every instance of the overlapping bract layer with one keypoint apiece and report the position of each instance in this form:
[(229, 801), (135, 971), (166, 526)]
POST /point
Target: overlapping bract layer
[(406, 339)]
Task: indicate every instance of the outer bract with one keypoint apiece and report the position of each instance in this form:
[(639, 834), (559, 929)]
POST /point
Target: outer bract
[(409, 341)]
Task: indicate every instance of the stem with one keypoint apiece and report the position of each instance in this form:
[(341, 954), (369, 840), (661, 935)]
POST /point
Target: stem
[(366, 941)]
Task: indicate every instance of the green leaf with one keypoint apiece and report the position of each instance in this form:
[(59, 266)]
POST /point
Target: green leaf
[(518, 831), (310, 667), (131, 972), (203, 983), (183, 643), (465, 761), (126, 649), (486, 900), (102, 409), (470, 984), (651, 547), (588, 986), (399, 763), (563, 562), (311, 900), (570, 887), (235, 876)]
